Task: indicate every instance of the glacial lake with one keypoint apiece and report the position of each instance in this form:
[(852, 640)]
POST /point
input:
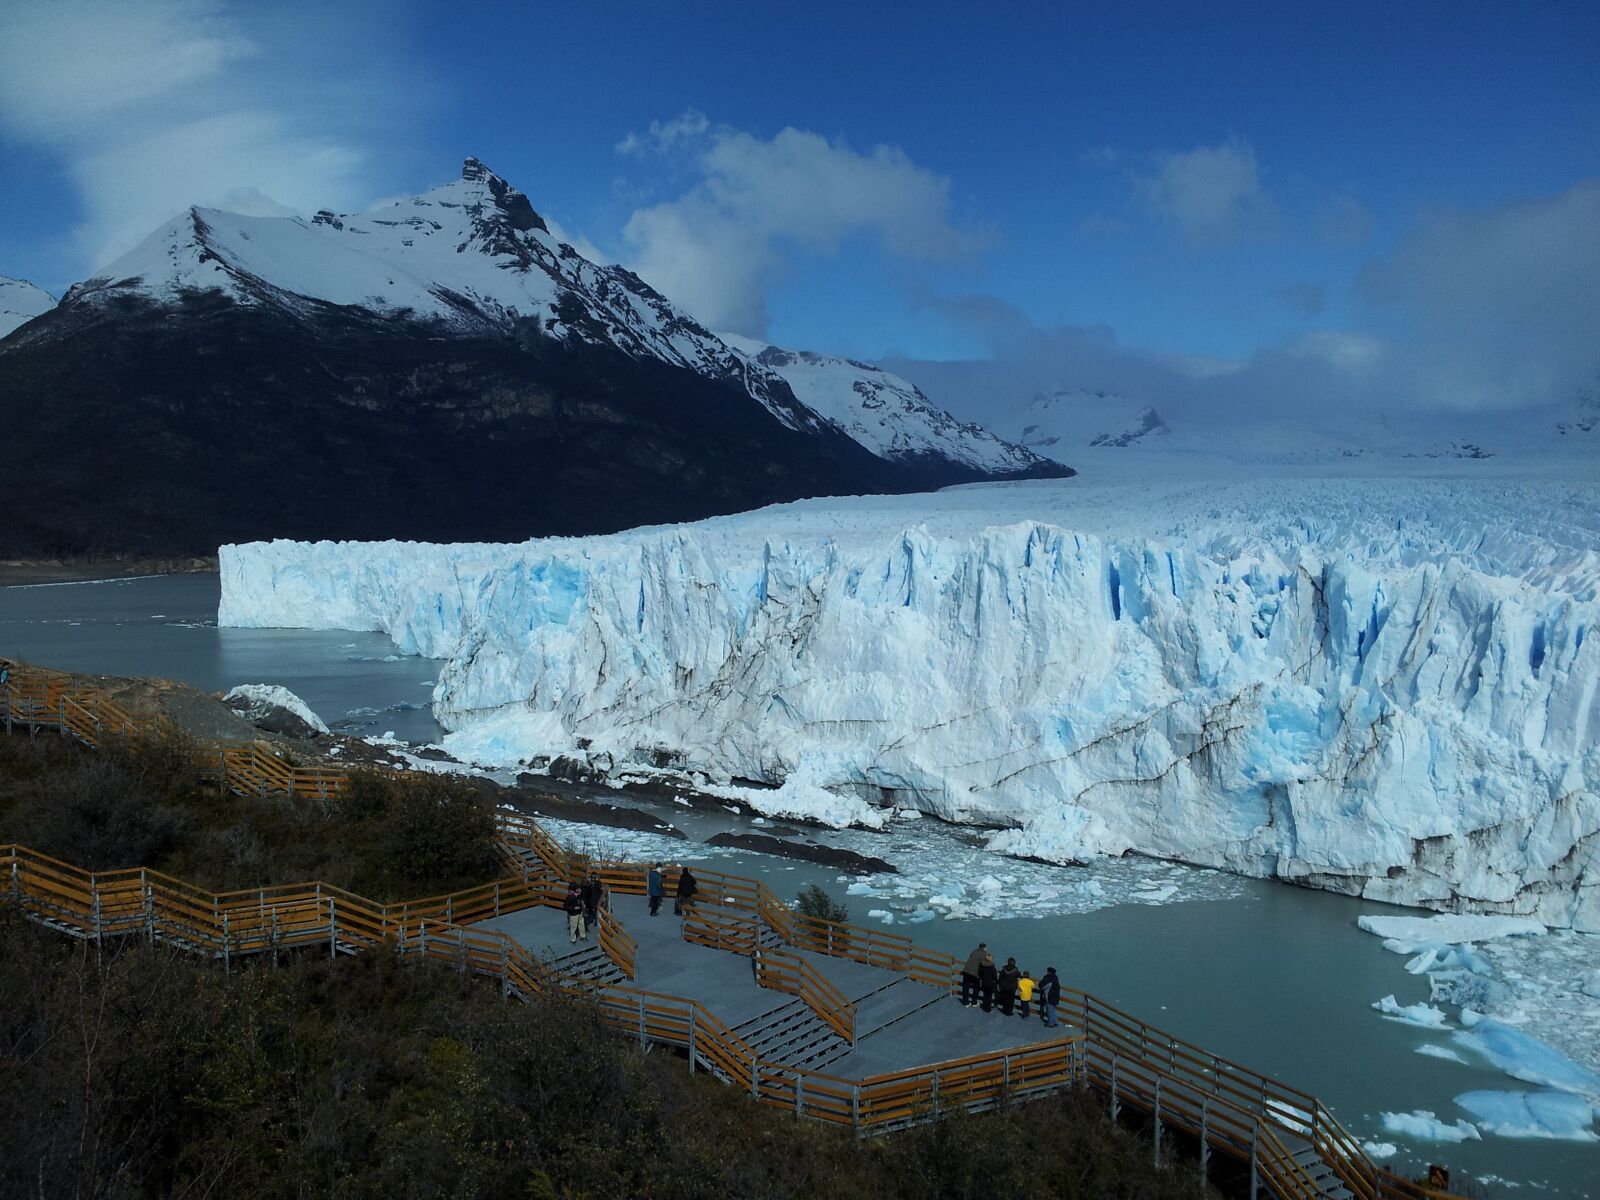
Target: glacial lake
[(1275, 977)]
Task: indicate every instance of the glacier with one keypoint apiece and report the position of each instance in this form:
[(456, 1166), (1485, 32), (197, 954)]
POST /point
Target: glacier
[(1382, 686)]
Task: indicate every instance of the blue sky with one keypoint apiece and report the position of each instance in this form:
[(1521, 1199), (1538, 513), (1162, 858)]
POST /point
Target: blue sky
[(1200, 183)]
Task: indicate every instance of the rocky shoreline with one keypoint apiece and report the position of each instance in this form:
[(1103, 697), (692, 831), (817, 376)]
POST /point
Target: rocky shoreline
[(31, 572)]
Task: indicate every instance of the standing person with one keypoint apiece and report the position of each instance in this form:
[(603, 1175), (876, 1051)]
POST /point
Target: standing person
[(655, 886), (573, 905), (1049, 997), (969, 976), (1007, 984), (687, 887), (593, 891), (986, 980), (1025, 987)]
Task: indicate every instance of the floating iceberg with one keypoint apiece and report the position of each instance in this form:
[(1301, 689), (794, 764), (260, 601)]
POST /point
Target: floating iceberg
[(1444, 1052), (1383, 687), (1423, 1126), (1446, 929), (1424, 1015), (1555, 1115)]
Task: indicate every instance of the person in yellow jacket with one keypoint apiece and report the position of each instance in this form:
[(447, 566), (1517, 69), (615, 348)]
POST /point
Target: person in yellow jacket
[(1024, 993)]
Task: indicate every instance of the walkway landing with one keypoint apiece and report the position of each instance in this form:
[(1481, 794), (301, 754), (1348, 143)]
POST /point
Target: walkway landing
[(900, 1024)]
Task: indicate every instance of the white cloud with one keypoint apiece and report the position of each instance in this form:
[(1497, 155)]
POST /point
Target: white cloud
[(157, 105), (1500, 306), (1213, 194), (717, 247)]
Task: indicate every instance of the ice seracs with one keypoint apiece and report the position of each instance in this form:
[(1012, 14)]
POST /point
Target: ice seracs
[(1381, 686)]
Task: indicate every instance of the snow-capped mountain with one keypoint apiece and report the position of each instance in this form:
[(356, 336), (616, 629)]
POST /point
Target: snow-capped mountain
[(474, 257), (442, 367), (883, 412), (1060, 422), (21, 302), (1384, 685)]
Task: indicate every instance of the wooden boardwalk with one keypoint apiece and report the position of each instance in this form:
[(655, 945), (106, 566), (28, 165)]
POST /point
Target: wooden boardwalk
[(899, 1022), (849, 1025)]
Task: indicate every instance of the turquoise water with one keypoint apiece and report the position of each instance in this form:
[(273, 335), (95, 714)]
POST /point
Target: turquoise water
[(167, 626)]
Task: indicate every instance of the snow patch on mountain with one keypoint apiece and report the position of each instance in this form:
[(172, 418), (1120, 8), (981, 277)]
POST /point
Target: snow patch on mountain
[(1381, 686), (21, 302), (883, 412)]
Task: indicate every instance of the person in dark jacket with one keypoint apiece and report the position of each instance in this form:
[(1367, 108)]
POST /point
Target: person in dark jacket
[(1049, 997), (593, 891), (969, 976), (655, 886), (1006, 987), (573, 906), (986, 980), (687, 887)]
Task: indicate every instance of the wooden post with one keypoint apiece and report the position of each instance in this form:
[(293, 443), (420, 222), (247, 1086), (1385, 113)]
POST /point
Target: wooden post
[(855, 1108), (227, 950), (1114, 1108), (691, 1039), (641, 1021), (1158, 1122), (1255, 1139), (755, 1079), (799, 1095), (333, 929), (1205, 1137)]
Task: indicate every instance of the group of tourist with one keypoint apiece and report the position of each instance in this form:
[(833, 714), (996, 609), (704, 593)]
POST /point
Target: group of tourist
[(1010, 989), (587, 898)]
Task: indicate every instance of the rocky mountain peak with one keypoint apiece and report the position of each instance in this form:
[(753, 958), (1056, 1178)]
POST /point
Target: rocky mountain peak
[(516, 206)]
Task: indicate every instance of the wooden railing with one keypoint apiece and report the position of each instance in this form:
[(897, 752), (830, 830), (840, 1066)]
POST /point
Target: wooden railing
[(789, 973), (1227, 1106)]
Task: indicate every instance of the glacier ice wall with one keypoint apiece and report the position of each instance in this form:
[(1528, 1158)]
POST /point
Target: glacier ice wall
[(1283, 681)]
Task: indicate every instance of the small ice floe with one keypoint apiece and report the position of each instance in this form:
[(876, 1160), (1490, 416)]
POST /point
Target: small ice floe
[(1378, 1151), (758, 820), (881, 914), (861, 888), (1433, 1050), (919, 915), (1158, 895), (1590, 984), (1555, 1115), (1423, 1126), (1424, 1015)]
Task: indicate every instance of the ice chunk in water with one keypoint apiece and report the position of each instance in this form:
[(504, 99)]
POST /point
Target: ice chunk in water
[(1556, 1115), (1421, 1014), (1423, 1126), (1523, 1057)]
